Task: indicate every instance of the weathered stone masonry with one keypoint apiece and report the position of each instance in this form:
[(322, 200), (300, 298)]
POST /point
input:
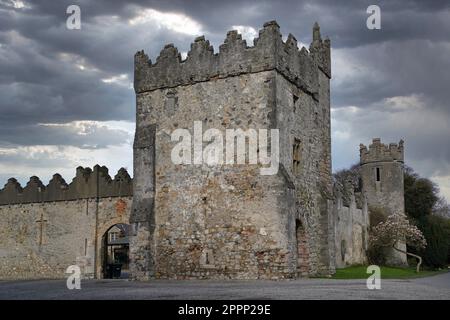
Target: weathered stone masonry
[(45, 229), (228, 221), (351, 225)]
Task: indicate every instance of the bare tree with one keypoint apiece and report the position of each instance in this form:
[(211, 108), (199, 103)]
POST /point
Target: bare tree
[(442, 208)]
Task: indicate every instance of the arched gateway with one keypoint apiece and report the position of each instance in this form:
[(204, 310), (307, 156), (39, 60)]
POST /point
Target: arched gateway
[(115, 247)]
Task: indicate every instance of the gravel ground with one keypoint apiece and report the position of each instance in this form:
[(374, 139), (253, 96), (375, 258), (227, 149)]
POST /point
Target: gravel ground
[(435, 287)]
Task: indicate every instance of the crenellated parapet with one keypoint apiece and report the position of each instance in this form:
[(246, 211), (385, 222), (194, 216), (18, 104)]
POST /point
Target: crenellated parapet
[(87, 183), (348, 196), (235, 57), (378, 152)]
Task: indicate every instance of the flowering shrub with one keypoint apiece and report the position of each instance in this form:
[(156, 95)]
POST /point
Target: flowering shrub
[(396, 229)]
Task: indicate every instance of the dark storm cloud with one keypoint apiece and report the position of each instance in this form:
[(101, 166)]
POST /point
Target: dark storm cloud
[(49, 74), (394, 69)]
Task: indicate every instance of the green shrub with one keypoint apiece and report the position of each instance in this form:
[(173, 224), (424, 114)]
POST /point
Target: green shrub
[(447, 228), (421, 194), (376, 255), (436, 232)]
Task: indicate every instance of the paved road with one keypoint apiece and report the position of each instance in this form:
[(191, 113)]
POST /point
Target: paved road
[(436, 287)]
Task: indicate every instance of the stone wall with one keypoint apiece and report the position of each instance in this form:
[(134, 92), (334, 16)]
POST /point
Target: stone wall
[(228, 221), (305, 121), (41, 239), (230, 213), (351, 226)]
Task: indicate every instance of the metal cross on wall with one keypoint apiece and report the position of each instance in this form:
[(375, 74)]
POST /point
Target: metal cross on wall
[(41, 227)]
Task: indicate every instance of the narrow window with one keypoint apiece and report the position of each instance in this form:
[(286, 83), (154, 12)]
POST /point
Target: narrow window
[(207, 258), (294, 99), (378, 174), (85, 247), (296, 149), (360, 184)]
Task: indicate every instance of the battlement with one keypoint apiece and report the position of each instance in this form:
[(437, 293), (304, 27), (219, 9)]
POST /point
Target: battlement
[(87, 183), (380, 152), (235, 57), (347, 195)]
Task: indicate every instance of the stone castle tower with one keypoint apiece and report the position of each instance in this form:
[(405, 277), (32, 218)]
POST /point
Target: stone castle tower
[(382, 179), (219, 220), (229, 221)]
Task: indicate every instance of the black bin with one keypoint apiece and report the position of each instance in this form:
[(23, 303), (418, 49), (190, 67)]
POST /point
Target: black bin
[(116, 270), (113, 270)]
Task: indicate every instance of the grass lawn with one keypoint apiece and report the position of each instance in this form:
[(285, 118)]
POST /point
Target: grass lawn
[(359, 272)]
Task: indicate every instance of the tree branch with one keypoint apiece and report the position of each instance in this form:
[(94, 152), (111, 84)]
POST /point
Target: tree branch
[(410, 254)]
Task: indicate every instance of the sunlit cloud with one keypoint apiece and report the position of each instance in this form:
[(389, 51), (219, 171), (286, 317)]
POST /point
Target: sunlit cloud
[(16, 4), (444, 184), (248, 33), (121, 79), (173, 21), (44, 161), (77, 61)]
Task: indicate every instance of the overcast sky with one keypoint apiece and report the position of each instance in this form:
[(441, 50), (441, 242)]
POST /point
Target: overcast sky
[(66, 96)]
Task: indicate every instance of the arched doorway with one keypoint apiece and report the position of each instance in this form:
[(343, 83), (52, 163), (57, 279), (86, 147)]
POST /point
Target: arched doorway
[(115, 252), (302, 249)]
